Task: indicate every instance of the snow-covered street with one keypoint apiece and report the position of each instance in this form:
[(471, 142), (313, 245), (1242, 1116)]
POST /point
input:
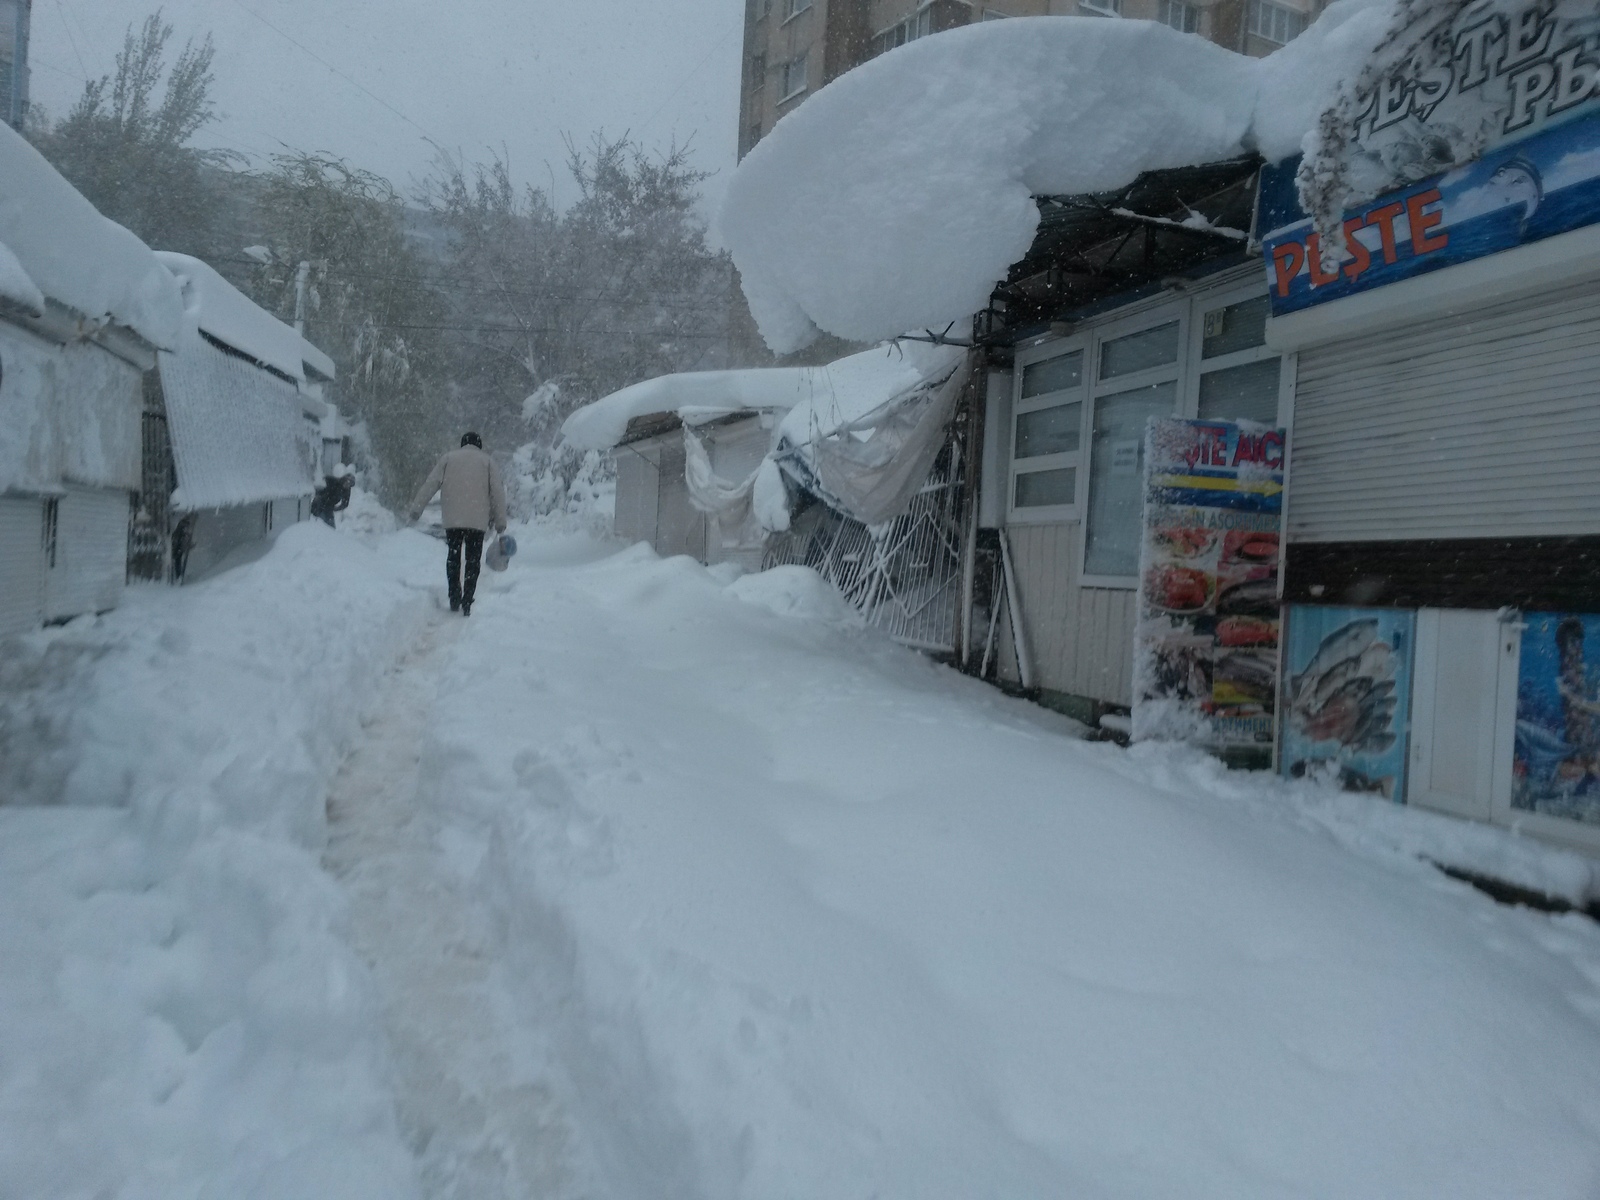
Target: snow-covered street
[(676, 884)]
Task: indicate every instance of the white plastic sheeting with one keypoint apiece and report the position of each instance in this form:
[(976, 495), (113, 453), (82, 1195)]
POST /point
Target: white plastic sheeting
[(237, 433), (77, 257), (746, 510), (897, 196), (230, 316)]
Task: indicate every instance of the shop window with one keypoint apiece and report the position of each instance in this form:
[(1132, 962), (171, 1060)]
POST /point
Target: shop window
[(1244, 393), (1235, 327), (1047, 435), (1116, 477), (1143, 351)]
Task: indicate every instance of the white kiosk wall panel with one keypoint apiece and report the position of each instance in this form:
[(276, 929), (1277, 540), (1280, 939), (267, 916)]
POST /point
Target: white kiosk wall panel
[(1479, 424)]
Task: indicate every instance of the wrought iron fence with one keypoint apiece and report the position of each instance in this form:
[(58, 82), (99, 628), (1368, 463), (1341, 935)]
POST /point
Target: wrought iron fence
[(905, 575)]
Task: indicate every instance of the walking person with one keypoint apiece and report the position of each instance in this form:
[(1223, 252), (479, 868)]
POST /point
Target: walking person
[(473, 497)]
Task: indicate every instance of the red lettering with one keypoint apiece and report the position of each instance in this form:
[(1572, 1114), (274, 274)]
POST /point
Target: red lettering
[(1247, 451), (1421, 222), (1319, 277), (1272, 450), (1363, 260), (1383, 218), (1287, 260)]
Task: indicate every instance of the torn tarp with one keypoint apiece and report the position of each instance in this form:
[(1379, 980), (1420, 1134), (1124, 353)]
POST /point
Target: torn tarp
[(870, 468)]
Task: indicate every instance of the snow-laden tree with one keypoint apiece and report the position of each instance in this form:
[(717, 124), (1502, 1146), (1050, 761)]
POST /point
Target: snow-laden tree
[(558, 307), (126, 144)]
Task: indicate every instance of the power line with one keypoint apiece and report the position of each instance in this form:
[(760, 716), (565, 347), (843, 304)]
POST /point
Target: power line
[(72, 41), (352, 82), (693, 71)]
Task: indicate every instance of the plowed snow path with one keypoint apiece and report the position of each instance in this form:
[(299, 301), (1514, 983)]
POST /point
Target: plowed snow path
[(470, 1099)]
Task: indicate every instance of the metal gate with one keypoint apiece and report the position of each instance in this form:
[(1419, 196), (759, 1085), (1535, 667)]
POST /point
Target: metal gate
[(149, 532), (905, 575)]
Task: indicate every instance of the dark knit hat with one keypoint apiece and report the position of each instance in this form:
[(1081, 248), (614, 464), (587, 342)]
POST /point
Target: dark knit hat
[(472, 439)]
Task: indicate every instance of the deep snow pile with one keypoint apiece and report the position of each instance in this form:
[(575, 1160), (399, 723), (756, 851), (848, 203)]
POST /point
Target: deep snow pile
[(896, 197), (181, 1016), (785, 910)]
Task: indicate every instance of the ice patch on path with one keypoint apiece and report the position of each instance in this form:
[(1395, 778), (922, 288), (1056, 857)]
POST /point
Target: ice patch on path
[(182, 1016), (795, 592)]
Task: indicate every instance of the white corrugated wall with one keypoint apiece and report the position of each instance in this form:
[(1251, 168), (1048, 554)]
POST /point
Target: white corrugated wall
[(1484, 424), (91, 560), (21, 564)]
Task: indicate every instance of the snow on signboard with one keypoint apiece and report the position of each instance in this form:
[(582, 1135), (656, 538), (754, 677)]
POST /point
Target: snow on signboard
[(897, 196), (1206, 644)]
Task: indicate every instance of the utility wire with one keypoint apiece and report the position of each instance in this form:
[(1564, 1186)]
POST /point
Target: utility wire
[(72, 41), (694, 71), (352, 82)]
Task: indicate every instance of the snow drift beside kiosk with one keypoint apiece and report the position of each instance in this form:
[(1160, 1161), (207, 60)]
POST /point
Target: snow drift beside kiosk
[(897, 197)]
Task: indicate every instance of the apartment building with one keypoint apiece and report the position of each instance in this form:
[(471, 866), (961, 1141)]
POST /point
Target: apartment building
[(794, 47), (14, 19)]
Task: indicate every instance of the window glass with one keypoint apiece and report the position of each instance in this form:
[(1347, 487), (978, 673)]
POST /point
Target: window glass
[(1241, 326), (1052, 375), (1036, 489), (1116, 477), (1249, 393), (1140, 351), (1049, 430)]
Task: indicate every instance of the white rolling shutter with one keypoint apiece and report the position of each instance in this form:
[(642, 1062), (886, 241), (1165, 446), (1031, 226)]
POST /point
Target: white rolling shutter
[(21, 564), (1484, 424), (91, 553)]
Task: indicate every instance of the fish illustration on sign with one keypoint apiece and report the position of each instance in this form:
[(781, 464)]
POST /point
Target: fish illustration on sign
[(1346, 694), (1519, 181)]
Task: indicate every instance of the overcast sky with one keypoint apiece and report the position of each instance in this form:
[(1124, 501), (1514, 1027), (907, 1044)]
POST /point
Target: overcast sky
[(468, 74)]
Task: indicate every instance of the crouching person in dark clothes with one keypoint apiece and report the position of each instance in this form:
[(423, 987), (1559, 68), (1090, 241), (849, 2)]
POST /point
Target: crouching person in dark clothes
[(473, 497), (332, 497)]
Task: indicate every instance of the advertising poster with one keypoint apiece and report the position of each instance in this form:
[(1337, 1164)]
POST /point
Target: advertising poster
[(1556, 770), (1206, 645), (1347, 695)]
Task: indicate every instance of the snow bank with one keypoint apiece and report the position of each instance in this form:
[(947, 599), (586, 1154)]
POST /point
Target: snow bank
[(898, 196), (181, 1017), (795, 592), (74, 255), (790, 911), (227, 314), (15, 286)]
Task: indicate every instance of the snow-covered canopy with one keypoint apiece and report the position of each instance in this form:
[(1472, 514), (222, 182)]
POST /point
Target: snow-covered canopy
[(816, 399), (238, 436), (227, 314), (897, 196), (73, 255)]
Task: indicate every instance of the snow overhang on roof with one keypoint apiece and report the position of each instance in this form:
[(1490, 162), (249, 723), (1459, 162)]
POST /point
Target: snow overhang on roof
[(223, 312), (900, 194), (823, 397), (76, 258)]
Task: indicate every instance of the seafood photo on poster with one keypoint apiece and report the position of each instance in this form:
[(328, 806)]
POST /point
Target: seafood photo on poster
[(1346, 696), (1556, 770), (1206, 646)]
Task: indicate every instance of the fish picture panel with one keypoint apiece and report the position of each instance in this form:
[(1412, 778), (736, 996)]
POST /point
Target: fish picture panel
[(1347, 697), (1556, 765)]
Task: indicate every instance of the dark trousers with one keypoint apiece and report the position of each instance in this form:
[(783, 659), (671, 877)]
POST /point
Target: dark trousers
[(461, 592)]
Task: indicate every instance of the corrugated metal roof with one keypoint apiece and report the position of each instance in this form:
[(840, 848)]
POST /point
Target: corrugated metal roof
[(237, 432)]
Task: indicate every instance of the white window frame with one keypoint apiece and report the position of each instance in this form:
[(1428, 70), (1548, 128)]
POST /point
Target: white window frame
[(1101, 8), (803, 60), (793, 8), (1077, 459), (1209, 302), (1101, 389), (1189, 311)]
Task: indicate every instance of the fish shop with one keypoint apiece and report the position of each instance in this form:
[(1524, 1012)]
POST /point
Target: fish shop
[(1432, 262)]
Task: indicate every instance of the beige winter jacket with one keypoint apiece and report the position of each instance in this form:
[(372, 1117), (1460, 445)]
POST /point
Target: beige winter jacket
[(473, 491)]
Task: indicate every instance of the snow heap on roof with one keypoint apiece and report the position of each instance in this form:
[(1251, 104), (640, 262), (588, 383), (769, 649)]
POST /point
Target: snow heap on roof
[(227, 314), (75, 256), (898, 196), (818, 400)]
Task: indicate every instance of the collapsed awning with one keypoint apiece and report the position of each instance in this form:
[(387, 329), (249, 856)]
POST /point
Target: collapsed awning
[(237, 433)]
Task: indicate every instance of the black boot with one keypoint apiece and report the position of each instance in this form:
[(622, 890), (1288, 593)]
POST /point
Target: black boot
[(466, 608)]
